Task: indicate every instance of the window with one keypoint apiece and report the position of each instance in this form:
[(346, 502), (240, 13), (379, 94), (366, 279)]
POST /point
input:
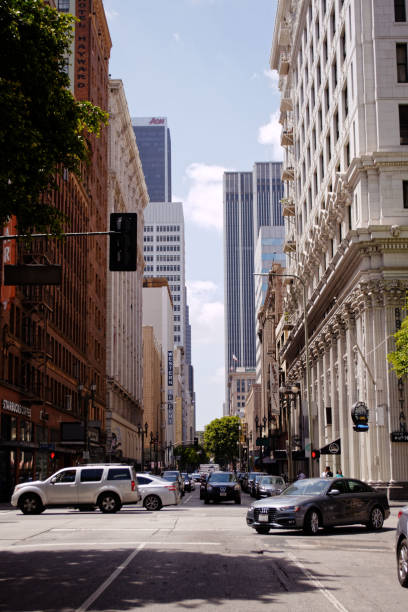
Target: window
[(143, 480), (403, 121), (339, 485), (356, 486), (119, 474), (405, 193), (67, 476), (402, 72), (399, 10), (91, 475)]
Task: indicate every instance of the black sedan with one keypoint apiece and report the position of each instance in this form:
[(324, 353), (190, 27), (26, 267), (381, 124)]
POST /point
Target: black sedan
[(222, 486), (320, 502)]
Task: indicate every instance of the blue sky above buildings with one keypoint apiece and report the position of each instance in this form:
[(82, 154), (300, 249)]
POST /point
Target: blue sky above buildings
[(204, 64)]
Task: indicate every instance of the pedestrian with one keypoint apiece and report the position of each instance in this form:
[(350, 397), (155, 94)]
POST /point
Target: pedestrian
[(327, 473), (339, 474), (301, 475)]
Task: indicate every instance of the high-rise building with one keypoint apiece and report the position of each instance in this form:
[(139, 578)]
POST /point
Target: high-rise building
[(343, 76), (164, 256), (153, 141), (251, 201)]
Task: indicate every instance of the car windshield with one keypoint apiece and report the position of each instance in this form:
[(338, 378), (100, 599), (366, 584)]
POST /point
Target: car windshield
[(308, 486), (222, 477), (272, 480)]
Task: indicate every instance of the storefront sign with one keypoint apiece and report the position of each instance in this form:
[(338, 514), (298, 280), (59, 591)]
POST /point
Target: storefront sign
[(170, 408), (170, 368), (334, 448), (16, 408), (399, 436)]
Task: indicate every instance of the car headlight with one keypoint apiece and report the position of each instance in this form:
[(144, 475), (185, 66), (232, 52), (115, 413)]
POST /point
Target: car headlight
[(288, 508)]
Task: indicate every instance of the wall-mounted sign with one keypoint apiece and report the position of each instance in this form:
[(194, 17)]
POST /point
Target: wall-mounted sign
[(359, 414), (170, 368), (334, 448), (16, 408)]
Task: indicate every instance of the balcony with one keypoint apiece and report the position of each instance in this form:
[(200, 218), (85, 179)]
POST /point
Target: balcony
[(288, 207), (286, 104), (287, 138), (289, 246), (288, 174), (284, 64)]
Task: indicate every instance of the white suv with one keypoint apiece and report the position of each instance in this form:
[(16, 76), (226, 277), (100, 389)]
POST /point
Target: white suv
[(107, 486)]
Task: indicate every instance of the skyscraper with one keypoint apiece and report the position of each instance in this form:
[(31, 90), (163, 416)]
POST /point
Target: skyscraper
[(153, 141), (251, 201)]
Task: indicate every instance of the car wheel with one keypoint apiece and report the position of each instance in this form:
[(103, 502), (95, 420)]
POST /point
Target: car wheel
[(30, 504), (403, 563), (152, 503), (108, 503), (206, 500), (312, 522), (376, 520), (263, 529)]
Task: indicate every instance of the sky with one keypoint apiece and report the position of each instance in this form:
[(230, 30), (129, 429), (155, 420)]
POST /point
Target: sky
[(203, 64)]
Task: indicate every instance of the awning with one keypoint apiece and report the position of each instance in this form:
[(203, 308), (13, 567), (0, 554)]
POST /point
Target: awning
[(334, 448)]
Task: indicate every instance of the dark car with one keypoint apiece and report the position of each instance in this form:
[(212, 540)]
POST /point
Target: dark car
[(312, 503), (189, 485), (247, 480), (203, 482), (266, 486), (253, 481), (175, 476), (401, 541), (222, 486)]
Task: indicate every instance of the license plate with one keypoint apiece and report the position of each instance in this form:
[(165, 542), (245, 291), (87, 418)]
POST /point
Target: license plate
[(223, 493), (263, 518)]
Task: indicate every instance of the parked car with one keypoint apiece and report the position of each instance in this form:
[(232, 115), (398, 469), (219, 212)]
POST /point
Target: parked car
[(107, 486), (401, 541), (266, 486), (248, 479), (175, 476), (157, 492), (222, 486), (252, 482), (189, 484), (320, 502)]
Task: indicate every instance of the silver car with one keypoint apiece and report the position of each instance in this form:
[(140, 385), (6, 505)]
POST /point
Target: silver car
[(268, 486), (157, 492), (107, 486), (401, 545)]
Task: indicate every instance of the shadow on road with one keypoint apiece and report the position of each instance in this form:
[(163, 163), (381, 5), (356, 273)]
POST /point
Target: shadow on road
[(63, 580)]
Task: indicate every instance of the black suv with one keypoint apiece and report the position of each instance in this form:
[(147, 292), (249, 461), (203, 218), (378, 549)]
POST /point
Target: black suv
[(222, 486)]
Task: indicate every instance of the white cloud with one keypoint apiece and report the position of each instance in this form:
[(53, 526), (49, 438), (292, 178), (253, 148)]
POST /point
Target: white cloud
[(111, 14), (269, 134), (206, 312), (204, 202), (176, 37), (273, 78)]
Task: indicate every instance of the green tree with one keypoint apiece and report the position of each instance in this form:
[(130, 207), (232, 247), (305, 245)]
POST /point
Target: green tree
[(221, 438), (190, 457), (43, 129), (399, 358)]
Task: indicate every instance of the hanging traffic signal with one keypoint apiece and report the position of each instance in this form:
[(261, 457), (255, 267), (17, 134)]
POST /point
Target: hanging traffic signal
[(123, 243), (315, 453), (52, 456)]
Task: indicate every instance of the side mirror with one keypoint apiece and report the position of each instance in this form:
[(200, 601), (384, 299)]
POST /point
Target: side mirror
[(53, 480), (333, 492)]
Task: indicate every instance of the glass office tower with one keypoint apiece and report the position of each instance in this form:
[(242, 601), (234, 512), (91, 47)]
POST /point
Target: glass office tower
[(153, 141)]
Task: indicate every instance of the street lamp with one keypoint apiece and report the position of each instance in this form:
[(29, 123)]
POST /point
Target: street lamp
[(308, 385), (289, 393), (142, 432)]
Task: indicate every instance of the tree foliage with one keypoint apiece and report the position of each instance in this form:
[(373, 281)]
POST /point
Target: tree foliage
[(399, 358), (221, 438), (190, 457), (43, 129)]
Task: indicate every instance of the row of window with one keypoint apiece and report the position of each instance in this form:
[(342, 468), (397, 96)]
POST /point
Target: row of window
[(162, 228)]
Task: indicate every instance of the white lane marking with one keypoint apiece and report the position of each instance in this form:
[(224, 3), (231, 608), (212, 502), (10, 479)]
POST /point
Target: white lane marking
[(109, 580), (187, 499), (329, 596), (124, 543)]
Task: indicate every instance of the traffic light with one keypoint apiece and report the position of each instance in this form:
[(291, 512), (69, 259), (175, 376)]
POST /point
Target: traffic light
[(195, 442), (123, 243), (52, 455), (315, 454)]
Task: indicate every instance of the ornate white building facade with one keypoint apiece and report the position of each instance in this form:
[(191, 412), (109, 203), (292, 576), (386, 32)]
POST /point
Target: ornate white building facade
[(127, 193), (343, 77)]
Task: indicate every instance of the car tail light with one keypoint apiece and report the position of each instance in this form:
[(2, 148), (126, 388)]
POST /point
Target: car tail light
[(400, 514), (171, 487), (133, 485)]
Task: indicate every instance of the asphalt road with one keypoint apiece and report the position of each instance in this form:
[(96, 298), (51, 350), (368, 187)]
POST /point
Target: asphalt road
[(187, 557)]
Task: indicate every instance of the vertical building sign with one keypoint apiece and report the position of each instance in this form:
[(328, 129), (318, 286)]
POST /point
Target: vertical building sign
[(9, 258), (82, 49), (170, 384)]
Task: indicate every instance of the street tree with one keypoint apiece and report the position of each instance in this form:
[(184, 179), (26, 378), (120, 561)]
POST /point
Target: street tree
[(221, 438), (44, 130), (399, 357), (190, 457)]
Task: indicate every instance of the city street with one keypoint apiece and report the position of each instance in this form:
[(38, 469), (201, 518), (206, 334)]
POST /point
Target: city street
[(188, 557)]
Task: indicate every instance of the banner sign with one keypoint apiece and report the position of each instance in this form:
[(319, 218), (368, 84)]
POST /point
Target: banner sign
[(170, 368)]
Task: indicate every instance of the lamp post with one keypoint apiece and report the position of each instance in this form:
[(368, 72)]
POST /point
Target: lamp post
[(142, 431), (308, 386), (258, 425), (289, 393)]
